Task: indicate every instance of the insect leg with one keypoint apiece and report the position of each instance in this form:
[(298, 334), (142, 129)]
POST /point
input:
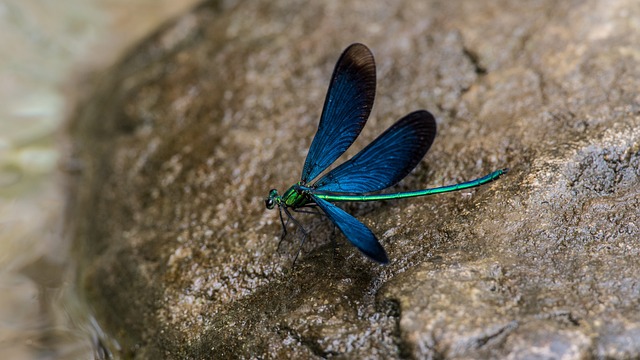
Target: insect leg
[(334, 243), (305, 233), (314, 207), (284, 228)]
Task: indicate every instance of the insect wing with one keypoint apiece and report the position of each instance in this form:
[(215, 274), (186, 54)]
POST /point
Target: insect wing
[(346, 108), (387, 160), (355, 231)]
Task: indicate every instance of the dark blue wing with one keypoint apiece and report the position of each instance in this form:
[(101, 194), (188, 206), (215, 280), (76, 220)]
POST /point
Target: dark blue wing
[(387, 160), (355, 231), (346, 109)]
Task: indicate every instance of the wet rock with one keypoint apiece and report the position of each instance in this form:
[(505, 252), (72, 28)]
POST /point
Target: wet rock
[(182, 140)]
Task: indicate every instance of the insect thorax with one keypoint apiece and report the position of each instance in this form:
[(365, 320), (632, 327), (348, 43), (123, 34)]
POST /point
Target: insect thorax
[(294, 197)]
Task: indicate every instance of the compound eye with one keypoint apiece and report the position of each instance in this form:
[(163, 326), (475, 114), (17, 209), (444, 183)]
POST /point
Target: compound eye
[(269, 203)]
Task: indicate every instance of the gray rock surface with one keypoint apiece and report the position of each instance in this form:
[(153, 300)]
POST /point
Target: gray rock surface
[(181, 142)]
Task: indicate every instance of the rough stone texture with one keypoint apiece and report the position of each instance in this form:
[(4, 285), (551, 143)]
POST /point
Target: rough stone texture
[(182, 141)]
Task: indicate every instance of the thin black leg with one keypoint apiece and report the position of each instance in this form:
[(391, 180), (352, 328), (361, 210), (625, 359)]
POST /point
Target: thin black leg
[(334, 243), (305, 233), (284, 229), (316, 212)]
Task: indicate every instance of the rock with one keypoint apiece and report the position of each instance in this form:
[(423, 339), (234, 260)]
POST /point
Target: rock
[(182, 140)]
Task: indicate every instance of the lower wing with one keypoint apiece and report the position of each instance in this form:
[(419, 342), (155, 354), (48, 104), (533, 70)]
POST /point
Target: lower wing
[(355, 231)]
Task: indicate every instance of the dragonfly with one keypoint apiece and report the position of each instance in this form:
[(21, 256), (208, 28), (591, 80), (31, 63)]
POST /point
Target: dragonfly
[(381, 164)]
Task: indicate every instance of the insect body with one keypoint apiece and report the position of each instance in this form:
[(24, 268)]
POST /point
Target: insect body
[(383, 163)]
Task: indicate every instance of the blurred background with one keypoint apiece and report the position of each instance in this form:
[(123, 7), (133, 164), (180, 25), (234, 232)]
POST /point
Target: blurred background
[(47, 51)]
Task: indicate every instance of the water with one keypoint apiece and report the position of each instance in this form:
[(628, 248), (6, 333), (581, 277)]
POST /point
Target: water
[(44, 44)]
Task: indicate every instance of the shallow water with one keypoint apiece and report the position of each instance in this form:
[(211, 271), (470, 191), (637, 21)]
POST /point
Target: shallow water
[(47, 48)]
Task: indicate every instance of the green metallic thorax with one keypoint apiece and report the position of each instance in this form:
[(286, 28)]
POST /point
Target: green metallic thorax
[(294, 197)]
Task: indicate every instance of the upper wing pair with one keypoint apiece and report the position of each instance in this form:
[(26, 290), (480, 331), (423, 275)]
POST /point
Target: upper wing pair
[(347, 106)]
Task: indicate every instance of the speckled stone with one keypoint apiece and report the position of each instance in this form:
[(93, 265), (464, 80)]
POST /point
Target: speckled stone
[(182, 140)]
